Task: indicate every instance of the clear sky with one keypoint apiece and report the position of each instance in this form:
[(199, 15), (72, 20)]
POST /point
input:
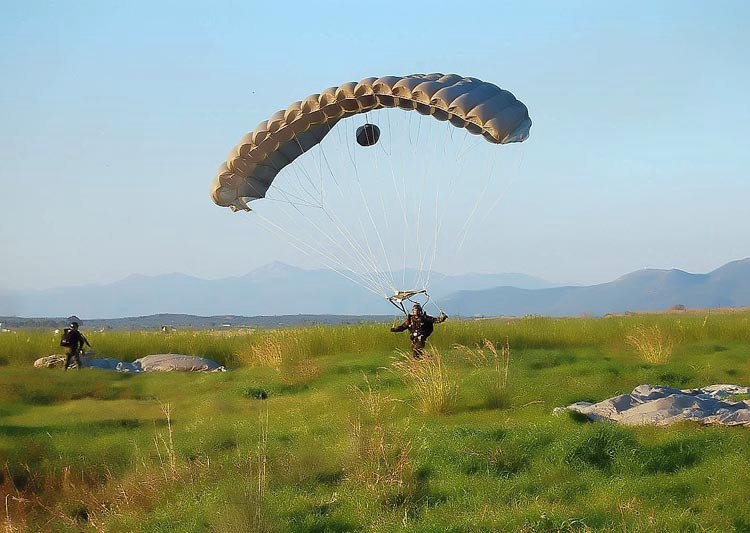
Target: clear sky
[(115, 115)]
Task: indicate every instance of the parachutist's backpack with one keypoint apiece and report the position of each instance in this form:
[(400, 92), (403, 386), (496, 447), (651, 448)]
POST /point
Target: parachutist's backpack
[(68, 339)]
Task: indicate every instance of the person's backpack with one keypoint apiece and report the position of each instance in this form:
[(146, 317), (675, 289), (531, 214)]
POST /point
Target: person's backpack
[(68, 339)]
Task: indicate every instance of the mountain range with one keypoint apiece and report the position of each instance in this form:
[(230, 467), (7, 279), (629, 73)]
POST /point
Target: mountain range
[(280, 289), (274, 289), (643, 290)]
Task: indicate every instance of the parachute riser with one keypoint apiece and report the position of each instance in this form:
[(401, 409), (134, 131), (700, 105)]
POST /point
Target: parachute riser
[(397, 300)]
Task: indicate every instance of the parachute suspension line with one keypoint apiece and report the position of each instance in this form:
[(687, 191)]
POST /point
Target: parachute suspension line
[(418, 220), (473, 144), (300, 204), (434, 302), (300, 185), (378, 172), (387, 275), (352, 160), (515, 176), (427, 171), (399, 196), (279, 188), (287, 195), (469, 220), (420, 197), (403, 193), (305, 173), (338, 249), (432, 182), (440, 216), (422, 193), (320, 170), (434, 143), (378, 271), (332, 262), (363, 262), (325, 234), (374, 225), (367, 264), (368, 269), (436, 232), (465, 146)]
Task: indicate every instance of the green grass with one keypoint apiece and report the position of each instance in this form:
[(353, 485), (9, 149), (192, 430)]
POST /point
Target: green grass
[(331, 436)]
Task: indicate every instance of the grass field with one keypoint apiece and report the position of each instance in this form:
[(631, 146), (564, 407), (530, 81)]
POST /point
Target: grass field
[(332, 429)]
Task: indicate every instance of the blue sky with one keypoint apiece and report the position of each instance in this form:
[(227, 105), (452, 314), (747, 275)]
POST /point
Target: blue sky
[(115, 117)]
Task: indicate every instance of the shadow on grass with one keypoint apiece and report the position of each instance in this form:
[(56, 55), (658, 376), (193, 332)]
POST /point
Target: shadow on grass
[(611, 448), (552, 362), (75, 427)]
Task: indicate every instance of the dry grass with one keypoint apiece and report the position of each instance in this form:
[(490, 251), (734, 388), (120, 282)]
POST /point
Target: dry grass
[(15, 510), (165, 447), (269, 351), (653, 344), (381, 457), (144, 487), (430, 380), (485, 356), (259, 521)]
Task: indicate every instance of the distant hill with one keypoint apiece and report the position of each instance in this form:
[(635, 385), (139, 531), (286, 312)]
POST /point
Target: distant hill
[(180, 321), (278, 290), (644, 290), (275, 289)]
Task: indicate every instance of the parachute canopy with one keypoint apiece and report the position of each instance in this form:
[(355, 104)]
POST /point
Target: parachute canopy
[(481, 108)]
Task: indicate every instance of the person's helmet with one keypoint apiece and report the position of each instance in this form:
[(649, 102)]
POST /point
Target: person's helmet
[(74, 325), (418, 307)]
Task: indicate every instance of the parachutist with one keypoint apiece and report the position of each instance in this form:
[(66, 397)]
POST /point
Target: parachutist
[(368, 135), (420, 326)]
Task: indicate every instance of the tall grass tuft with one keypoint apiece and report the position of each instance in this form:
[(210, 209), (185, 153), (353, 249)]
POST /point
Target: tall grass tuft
[(258, 499), (653, 344), (268, 351), (430, 380), (165, 447), (14, 511), (381, 457), (496, 369)]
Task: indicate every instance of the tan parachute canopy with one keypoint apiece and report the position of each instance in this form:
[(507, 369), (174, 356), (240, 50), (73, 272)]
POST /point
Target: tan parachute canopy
[(480, 107)]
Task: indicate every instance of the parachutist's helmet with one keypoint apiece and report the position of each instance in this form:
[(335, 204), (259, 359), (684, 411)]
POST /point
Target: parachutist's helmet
[(417, 308), (368, 135), (74, 325)]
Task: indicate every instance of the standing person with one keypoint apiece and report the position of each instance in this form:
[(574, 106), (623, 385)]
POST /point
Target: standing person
[(420, 326), (73, 341)]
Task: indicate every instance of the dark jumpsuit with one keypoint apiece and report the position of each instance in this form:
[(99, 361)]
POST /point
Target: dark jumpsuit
[(72, 352), (420, 327)]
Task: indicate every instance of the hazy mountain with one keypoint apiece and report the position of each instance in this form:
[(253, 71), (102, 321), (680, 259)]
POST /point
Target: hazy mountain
[(280, 289), (644, 290), (180, 321), (274, 289)]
